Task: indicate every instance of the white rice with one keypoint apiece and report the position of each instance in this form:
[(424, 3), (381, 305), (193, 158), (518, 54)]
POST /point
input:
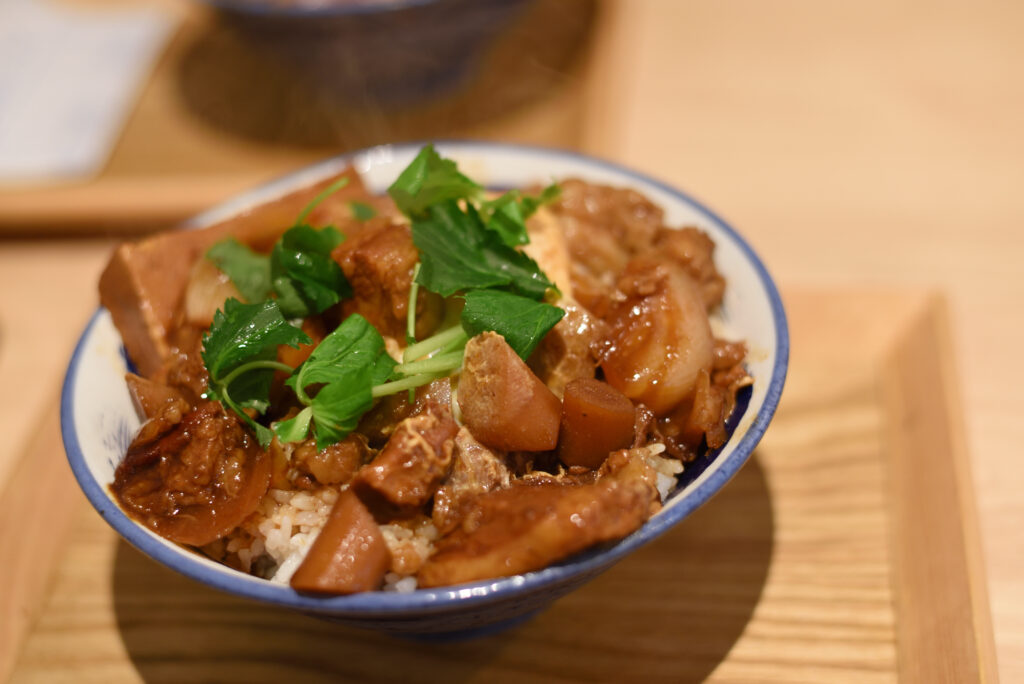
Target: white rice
[(410, 546), (666, 469), (273, 542)]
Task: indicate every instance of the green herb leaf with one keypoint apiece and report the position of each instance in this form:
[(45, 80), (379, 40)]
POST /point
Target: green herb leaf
[(428, 180), (347, 363), (242, 333), (304, 276), (239, 352), (458, 253), (353, 344), (338, 407), (507, 220), (521, 321), (249, 271), (294, 429), (507, 214), (362, 211)]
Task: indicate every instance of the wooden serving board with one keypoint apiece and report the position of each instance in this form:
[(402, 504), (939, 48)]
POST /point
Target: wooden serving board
[(845, 550)]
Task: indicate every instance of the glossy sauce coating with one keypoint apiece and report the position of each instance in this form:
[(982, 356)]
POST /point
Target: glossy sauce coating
[(197, 481), (348, 556), (597, 419), (504, 404), (660, 338)]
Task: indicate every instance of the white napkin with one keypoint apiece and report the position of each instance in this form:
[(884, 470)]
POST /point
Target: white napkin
[(68, 79)]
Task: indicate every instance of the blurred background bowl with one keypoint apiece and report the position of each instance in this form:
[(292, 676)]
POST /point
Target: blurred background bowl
[(393, 52)]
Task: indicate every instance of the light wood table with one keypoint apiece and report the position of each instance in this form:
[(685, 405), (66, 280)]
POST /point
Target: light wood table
[(871, 153)]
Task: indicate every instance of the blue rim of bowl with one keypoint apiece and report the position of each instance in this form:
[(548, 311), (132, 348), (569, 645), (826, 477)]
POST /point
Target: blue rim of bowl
[(426, 601)]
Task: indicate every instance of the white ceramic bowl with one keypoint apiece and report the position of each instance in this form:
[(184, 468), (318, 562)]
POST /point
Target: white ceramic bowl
[(98, 420)]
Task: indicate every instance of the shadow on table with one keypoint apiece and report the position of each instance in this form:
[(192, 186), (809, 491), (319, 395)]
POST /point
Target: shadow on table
[(257, 87), (670, 612)]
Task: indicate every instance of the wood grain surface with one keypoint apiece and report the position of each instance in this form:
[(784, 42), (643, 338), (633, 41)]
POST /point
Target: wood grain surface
[(936, 550), (787, 575), (859, 147)]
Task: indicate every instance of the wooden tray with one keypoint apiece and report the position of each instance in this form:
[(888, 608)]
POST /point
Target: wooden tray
[(845, 550)]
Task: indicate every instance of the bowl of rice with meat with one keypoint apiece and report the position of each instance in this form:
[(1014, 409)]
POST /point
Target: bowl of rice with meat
[(423, 388)]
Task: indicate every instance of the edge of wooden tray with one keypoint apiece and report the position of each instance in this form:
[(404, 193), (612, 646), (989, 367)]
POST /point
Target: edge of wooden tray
[(944, 627)]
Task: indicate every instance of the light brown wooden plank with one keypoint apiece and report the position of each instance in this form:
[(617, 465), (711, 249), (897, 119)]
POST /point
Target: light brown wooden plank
[(36, 507), (944, 626)]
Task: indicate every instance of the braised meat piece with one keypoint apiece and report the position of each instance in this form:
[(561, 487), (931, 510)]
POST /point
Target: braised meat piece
[(334, 464), (569, 350), (605, 226), (198, 480), (692, 249), (660, 339), (475, 470), (415, 459), (528, 527), (378, 263), (379, 423)]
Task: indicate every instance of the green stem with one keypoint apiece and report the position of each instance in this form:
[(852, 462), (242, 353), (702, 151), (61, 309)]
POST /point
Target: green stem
[(411, 382), (410, 316), (253, 365), (434, 343), (435, 364), (324, 194)]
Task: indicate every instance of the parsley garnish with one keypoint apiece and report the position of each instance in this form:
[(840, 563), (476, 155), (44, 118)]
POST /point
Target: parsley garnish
[(507, 214), (346, 366), (304, 276), (467, 248), (521, 321), (240, 352), (362, 211), (299, 270), (249, 271)]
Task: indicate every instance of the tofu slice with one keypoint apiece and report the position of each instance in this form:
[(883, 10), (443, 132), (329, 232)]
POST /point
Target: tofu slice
[(143, 283)]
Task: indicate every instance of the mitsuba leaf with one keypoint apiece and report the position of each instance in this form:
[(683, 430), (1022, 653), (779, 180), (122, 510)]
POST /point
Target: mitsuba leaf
[(346, 364), (338, 407), (428, 180), (507, 220), (548, 195), (246, 335), (242, 333), (450, 243), (303, 274), (353, 344), (458, 253), (523, 322), (294, 429), (249, 271), (507, 214), (362, 211)]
